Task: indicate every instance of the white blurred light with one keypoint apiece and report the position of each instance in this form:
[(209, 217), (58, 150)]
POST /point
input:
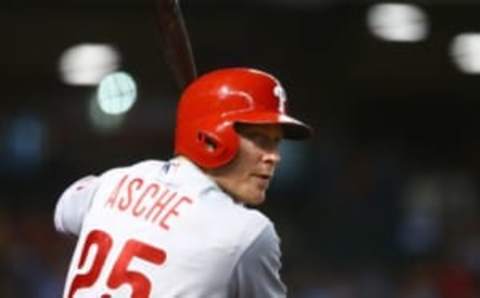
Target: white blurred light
[(465, 51), (102, 122), (87, 64), (117, 93), (398, 22)]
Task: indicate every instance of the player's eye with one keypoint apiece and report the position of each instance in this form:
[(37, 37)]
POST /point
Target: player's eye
[(264, 141)]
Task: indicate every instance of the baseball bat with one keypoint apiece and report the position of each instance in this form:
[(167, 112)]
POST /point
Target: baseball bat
[(175, 42)]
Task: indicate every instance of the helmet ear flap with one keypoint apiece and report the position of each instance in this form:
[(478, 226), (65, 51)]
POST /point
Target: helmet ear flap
[(216, 146), (210, 142)]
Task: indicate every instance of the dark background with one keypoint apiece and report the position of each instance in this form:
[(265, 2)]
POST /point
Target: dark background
[(382, 202)]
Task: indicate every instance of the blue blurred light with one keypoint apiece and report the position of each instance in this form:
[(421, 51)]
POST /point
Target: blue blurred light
[(24, 143)]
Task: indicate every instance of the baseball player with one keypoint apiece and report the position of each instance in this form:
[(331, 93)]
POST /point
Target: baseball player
[(182, 228)]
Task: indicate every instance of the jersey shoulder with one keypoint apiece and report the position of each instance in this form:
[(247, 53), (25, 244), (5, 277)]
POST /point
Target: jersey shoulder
[(217, 212), (236, 225)]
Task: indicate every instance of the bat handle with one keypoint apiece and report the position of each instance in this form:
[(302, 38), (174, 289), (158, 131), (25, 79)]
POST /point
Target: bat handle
[(176, 42)]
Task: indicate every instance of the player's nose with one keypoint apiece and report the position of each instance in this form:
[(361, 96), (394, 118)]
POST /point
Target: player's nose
[(272, 156)]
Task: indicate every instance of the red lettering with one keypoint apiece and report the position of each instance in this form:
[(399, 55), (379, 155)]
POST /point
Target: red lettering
[(149, 201), (137, 211), (160, 204), (113, 196), (173, 211), (124, 203)]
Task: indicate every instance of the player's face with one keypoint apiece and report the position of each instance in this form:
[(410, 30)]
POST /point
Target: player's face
[(248, 176)]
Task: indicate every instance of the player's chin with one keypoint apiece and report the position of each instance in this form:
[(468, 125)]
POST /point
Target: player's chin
[(257, 197)]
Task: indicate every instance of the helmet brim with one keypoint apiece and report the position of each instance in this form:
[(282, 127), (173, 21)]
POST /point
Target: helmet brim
[(293, 129)]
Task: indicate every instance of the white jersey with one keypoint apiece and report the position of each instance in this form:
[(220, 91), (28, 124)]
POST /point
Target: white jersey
[(165, 229)]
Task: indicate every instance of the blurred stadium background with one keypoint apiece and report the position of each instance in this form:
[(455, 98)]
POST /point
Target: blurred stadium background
[(382, 202)]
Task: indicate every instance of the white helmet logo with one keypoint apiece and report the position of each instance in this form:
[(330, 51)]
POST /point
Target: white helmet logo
[(280, 93)]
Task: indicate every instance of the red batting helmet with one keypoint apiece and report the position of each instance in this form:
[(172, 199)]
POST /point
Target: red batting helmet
[(212, 104)]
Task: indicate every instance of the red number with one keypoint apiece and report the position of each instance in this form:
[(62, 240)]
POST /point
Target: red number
[(140, 284), (120, 275), (104, 244)]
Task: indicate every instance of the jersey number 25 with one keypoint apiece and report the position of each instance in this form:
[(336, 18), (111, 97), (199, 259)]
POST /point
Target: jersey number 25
[(119, 275)]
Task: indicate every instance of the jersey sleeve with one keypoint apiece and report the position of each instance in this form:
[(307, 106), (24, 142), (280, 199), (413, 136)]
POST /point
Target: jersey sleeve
[(257, 274), (74, 203)]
